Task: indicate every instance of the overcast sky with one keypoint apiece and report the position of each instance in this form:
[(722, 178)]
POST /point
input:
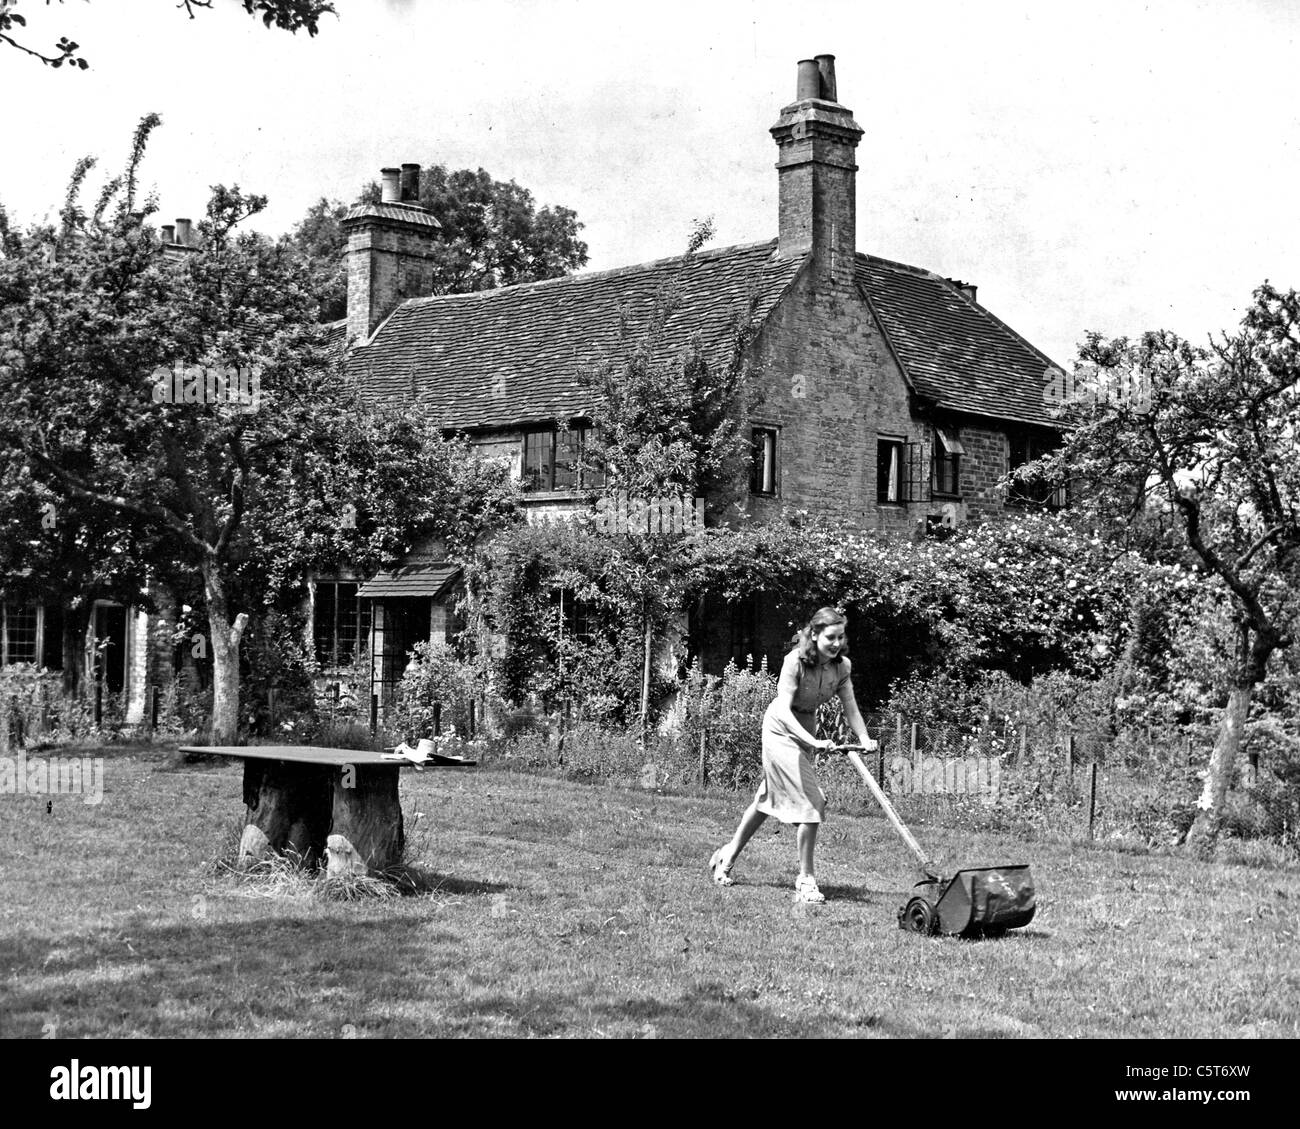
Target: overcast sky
[(1096, 165)]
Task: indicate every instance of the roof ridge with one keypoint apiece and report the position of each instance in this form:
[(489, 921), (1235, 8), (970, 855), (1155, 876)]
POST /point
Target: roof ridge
[(924, 272), (585, 276)]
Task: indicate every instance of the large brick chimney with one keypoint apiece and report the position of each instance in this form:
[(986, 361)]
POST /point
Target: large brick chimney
[(817, 139), (388, 255)]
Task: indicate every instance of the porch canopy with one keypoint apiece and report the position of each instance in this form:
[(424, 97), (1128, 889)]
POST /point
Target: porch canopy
[(417, 580)]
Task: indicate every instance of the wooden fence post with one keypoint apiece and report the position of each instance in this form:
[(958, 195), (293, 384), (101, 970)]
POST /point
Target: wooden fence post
[(1024, 740), (1069, 754), (437, 719), (471, 719), (916, 754), (374, 713), (1092, 797)]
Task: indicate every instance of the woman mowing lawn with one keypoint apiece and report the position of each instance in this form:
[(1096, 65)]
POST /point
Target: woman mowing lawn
[(816, 669)]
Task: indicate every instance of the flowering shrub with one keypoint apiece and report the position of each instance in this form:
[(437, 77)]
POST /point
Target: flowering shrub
[(438, 685), (726, 713)]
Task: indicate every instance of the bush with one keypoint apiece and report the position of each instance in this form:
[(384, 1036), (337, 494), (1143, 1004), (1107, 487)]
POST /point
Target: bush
[(436, 685), (276, 677), (727, 714)]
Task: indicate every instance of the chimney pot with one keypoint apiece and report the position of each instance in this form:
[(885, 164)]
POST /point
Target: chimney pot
[(410, 184), (391, 192), (809, 84), (826, 72), (168, 233), (183, 232)]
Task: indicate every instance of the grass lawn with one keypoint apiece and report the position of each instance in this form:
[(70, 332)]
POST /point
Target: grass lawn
[(563, 909)]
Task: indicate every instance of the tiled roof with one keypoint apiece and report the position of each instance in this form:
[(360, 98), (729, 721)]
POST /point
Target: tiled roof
[(413, 580), (336, 336), (404, 213), (952, 349), (508, 356)]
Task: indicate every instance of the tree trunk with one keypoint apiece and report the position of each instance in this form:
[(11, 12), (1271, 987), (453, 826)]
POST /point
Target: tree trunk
[(1253, 650), (1218, 774), (75, 622), (366, 834), (288, 809), (645, 681), (224, 645)]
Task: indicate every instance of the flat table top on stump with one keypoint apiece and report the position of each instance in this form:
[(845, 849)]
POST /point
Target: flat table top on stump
[(308, 754), (312, 754)]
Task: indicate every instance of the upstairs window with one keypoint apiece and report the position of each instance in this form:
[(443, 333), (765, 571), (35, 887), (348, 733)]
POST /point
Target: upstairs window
[(553, 460), (945, 462), (762, 471)]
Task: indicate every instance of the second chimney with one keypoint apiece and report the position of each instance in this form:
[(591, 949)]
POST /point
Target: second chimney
[(183, 232), (410, 184)]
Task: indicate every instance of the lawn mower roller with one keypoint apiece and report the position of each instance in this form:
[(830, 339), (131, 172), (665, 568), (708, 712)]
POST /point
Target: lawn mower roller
[(983, 901)]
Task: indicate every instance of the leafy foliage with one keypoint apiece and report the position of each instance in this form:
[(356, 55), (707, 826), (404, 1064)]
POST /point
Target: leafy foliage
[(1209, 462), (100, 330), (290, 15)]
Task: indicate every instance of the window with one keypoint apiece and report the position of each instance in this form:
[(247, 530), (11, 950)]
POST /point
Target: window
[(762, 473), (18, 633), (900, 473), (945, 462), (889, 458), (578, 618), (341, 624), (554, 457), (1026, 447)]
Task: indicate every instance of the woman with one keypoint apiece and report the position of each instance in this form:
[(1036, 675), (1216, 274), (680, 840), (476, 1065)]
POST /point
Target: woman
[(811, 674)]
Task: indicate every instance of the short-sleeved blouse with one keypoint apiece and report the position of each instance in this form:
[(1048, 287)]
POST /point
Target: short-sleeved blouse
[(813, 685)]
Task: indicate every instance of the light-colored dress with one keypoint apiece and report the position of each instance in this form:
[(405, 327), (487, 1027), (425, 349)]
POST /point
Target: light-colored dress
[(789, 789)]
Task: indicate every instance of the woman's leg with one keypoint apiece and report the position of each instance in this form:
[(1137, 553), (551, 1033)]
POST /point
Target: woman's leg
[(750, 822), (806, 837)]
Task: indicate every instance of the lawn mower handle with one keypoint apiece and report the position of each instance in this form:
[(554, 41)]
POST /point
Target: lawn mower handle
[(870, 781)]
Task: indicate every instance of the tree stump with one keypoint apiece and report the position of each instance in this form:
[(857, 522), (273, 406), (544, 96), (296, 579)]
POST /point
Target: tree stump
[(366, 833), (288, 809)]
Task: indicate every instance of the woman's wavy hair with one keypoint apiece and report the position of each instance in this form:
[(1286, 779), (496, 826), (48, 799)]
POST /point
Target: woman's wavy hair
[(806, 641)]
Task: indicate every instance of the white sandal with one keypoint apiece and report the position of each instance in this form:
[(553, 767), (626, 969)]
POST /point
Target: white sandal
[(806, 892), (721, 874)]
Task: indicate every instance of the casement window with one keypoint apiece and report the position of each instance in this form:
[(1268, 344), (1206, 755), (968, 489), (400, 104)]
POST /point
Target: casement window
[(1026, 447), (19, 633), (578, 618), (945, 462), (554, 459), (762, 469), (900, 475), (340, 623)]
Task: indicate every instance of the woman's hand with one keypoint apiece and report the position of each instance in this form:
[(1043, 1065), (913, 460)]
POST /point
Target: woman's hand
[(870, 746), (823, 746)]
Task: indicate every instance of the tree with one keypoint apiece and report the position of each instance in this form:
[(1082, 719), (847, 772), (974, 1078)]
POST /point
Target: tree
[(1204, 444), (196, 399), (291, 15), (493, 234)]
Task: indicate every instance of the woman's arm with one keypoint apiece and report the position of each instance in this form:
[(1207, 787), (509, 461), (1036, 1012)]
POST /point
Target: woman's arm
[(849, 704), (783, 706)]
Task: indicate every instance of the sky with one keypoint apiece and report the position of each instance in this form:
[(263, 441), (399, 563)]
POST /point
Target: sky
[(1109, 166)]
